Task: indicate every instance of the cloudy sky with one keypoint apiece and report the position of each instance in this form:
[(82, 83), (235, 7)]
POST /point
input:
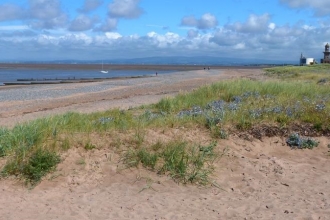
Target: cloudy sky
[(109, 29)]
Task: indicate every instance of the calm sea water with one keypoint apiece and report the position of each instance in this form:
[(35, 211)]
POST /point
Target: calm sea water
[(11, 75)]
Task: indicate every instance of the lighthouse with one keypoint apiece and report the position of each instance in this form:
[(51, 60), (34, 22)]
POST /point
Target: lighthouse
[(326, 53)]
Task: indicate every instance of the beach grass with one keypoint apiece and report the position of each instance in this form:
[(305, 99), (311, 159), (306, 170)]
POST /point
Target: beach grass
[(307, 73), (182, 161), (244, 103), (292, 95)]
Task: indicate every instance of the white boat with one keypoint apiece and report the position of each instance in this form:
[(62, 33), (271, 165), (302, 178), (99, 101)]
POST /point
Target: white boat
[(103, 71)]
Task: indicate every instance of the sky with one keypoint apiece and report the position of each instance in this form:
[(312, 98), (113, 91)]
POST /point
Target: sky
[(47, 30)]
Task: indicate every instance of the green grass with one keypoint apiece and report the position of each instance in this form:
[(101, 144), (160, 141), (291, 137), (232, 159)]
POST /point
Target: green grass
[(183, 162), (294, 95), (297, 101), (310, 73), (89, 146), (33, 167)]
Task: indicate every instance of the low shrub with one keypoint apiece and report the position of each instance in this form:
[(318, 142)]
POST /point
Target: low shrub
[(296, 141)]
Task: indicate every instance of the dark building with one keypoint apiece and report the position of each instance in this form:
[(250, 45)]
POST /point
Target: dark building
[(326, 52)]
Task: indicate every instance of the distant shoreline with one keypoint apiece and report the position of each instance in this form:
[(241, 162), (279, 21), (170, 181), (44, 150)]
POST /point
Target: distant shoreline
[(122, 66)]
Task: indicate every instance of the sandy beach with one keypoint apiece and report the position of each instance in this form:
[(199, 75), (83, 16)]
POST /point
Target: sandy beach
[(254, 179), (23, 103)]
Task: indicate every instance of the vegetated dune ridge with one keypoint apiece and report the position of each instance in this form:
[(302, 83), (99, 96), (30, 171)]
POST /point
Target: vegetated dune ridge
[(254, 179)]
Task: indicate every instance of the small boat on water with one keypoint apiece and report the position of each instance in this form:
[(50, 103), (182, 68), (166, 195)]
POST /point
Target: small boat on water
[(103, 71)]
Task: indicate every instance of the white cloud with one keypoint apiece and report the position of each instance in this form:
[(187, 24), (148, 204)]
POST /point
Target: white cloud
[(272, 26), (152, 34), (109, 25), (90, 5), (225, 37), (47, 39), (65, 41), (164, 41), (207, 21), (308, 27), (192, 33), (239, 46), (45, 9), (47, 14), (125, 9), (113, 35), (257, 36), (40, 14), (11, 12), (76, 39), (280, 42), (320, 7), (82, 23), (284, 31), (53, 23), (254, 24)]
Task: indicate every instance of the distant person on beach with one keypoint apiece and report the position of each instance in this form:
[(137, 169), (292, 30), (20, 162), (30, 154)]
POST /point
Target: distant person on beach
[(156, 73), (208, 68)]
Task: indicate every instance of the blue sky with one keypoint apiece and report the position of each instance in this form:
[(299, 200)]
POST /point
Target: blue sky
[(100, 29)]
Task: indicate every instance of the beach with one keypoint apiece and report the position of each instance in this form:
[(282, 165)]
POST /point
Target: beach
[(21, 103), (254, 179)]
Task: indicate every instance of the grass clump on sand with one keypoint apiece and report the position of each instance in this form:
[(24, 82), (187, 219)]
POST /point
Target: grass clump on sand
[(33, 167), (294, 95), (183, 162)]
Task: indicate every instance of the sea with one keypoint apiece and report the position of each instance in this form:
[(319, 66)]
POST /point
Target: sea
[(28, 74)]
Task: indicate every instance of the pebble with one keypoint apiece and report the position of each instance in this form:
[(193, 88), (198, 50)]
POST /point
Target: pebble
[(35, 92)]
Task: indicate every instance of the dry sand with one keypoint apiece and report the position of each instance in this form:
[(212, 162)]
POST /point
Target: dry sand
[(256, 179), (123, 93)]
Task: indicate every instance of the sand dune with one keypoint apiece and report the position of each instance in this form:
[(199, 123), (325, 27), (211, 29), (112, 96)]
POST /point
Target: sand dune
[(254, 179)]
